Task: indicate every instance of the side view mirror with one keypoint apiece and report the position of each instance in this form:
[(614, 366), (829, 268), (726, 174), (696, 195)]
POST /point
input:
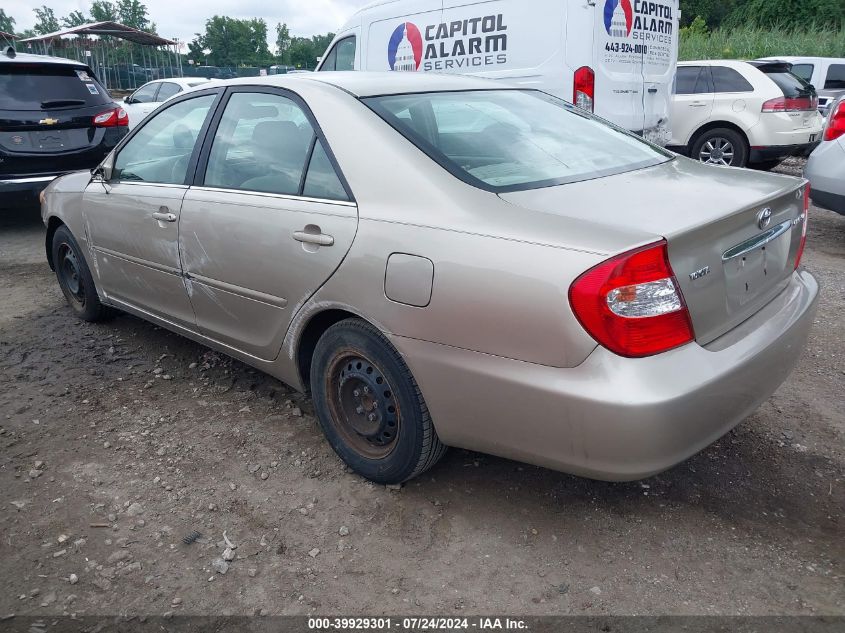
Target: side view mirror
[(104, 170), (127, 99)]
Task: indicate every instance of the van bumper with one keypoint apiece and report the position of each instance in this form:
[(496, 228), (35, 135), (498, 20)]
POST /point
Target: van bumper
[(613, 418)]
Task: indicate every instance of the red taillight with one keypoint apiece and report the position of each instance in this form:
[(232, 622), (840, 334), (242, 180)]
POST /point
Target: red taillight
[(584, 88), (791, 104), (805, 218), (835, 123), (632, 305), (111, 118)]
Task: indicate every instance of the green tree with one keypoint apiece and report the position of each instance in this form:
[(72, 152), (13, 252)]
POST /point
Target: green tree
[(713, 12), (788, 13), (7, 22), (282, 42), (104, 11), (133, 13), (75, 18), (232, 42), (45, 20), (304, 51)]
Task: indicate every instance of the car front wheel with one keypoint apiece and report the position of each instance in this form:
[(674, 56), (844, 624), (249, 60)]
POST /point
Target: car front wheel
[(369, 405), (722, 147), (75, 278)]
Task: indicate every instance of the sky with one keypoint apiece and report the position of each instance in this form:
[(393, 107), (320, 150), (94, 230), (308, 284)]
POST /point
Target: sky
[(184, 18)]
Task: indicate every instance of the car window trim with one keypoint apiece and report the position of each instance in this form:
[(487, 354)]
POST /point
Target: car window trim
[(269, 194), (190, 172), (201, 166)]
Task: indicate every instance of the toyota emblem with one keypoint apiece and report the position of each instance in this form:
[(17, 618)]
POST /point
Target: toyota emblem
[(764, 217)]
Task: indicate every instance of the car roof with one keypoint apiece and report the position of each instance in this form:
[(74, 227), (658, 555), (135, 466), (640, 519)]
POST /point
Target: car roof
[(369, 84), (732, 63), (29, 58)]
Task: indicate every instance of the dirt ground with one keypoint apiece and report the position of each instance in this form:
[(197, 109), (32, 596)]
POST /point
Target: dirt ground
[(119, 440)]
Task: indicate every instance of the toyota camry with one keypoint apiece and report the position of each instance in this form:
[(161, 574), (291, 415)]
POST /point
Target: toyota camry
[(444, 261)]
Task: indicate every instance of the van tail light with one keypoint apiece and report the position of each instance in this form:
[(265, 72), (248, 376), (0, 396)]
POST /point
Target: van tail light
[(632, 305), (116, 117), (805, 217), (835, 123), (584, 88), (791, 104)]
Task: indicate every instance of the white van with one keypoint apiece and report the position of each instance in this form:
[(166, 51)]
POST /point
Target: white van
[(616, 58)]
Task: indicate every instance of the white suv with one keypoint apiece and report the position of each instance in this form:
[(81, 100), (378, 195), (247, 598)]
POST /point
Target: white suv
[(827, 74), (736, 113)]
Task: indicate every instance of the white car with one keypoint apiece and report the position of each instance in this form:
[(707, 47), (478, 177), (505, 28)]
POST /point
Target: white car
[(148, 97), (827, 74), (736, 113), (615, 58)]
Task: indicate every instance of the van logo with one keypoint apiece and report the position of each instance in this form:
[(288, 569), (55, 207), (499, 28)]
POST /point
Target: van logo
[(764, 217), (618, 17), (405, 49)]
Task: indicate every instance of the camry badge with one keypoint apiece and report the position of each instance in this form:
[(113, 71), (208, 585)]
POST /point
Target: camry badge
[(48, 121), (701, 272), (763, 218)]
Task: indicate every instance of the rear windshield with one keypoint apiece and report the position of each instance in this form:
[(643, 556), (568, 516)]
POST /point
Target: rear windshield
[(48, 87), (509, 140), (791, 84)]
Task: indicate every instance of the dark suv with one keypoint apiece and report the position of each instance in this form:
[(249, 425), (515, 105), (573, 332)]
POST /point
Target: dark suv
[(55, 117)]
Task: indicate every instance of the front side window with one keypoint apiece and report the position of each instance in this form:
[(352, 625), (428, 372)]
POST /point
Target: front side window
[(342, 56), (161, 150), (835, 79), (686, 79), (167, 90), (508, 140), (144, 94), (728, 80)]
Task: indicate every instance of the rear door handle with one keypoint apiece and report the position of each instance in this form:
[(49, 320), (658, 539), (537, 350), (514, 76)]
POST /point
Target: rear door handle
[(319, 239), (697, 104), (164, 217)]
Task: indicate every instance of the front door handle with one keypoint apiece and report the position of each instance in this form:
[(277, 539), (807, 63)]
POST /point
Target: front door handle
[(697, 104), (319, 239), (164, 217)]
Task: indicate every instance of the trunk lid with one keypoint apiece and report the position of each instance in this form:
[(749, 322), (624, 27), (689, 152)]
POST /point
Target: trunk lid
[(728, 264), (46, 117)]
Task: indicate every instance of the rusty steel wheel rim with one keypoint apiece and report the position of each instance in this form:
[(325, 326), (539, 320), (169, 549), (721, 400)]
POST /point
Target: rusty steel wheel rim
[(70, 274), (363, 405)]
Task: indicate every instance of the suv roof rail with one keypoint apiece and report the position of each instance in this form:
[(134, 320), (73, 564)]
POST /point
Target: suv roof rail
[(10, 52)]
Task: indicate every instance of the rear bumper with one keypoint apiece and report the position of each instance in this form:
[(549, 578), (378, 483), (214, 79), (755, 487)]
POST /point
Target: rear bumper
[(774, 152), (830, 201), (17, 190), (614, 418)]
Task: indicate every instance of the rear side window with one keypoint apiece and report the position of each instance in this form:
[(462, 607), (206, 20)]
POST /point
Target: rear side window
[(35, 87), (835, 79), (805, 71), (167, 90), (342, 56), (728, 80)]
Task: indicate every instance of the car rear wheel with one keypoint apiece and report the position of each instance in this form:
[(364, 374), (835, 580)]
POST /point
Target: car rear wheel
[(75, 278), (722, 147), (369, 405)]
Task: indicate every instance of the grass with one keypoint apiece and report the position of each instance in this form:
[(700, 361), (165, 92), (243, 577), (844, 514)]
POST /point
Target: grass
[(750, 42)]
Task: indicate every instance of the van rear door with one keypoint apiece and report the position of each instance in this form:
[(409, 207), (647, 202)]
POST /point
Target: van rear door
[(636, 51)]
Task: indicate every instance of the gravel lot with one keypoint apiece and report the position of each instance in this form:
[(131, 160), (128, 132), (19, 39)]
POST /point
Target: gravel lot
[(118, 440)]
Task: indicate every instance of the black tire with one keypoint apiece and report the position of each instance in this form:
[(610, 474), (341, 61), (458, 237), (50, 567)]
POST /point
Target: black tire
[(765, 165), (369, 405), (75, 278), (715, 143)]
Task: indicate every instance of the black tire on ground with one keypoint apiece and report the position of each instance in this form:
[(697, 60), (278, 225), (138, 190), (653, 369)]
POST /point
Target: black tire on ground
[(765, 165), (75, 278), (720, 146), (369, 405)]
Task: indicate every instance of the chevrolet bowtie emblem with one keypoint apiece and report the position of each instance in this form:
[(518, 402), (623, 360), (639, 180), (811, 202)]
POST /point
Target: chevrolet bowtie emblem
[(48, 121)]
